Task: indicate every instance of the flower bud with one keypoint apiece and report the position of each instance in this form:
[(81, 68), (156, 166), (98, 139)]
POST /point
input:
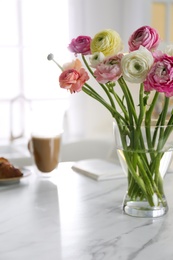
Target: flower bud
[(50, 56)]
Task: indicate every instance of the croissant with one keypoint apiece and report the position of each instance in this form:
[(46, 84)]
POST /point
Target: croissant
[(7, 170)]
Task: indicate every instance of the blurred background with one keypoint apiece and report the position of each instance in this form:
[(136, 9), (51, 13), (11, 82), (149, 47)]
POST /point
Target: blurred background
[(31, 29)]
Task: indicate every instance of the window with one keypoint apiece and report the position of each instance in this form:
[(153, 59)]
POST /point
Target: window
[(162, 19), (30, 30)]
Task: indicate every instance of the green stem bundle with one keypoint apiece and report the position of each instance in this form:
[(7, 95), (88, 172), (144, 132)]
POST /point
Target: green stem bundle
[(141, 153)]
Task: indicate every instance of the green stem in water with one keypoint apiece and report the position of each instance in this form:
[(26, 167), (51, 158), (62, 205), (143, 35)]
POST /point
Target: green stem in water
[(148, 121), (162, 124)]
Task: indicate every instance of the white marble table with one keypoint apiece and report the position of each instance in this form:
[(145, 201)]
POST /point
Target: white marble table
[(72, 217)]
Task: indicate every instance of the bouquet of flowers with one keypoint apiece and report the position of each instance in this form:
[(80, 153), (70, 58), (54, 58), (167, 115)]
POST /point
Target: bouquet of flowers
[(102, 58)]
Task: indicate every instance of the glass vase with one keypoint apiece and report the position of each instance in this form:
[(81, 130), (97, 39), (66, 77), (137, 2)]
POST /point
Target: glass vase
[(145, 155)]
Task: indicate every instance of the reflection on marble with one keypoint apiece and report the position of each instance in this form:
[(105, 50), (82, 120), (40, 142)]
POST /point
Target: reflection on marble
[(72, 217)]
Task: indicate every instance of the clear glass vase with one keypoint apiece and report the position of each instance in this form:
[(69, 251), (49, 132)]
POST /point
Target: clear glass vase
[(145, 154)]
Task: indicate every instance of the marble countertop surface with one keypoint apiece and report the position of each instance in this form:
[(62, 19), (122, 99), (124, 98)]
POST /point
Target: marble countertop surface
[(72, 217)]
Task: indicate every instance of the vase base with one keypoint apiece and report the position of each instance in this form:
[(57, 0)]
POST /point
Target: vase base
[(144, 210)]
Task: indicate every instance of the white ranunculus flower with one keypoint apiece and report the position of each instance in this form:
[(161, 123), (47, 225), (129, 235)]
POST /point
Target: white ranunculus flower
[(169, 50), (136, 64), (96, 58)]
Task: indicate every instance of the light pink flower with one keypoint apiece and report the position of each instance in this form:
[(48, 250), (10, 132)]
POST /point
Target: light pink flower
[(73, 77), (81, 45), (75, 64), (109, 69), (160, 76), (145, 36)]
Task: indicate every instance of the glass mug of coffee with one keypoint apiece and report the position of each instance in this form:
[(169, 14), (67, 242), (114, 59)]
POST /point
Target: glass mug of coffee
[(46, 129), (45, 151)]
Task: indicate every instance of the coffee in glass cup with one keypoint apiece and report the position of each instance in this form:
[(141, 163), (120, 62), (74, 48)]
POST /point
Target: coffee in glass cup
[(46, 129), (46, 152)]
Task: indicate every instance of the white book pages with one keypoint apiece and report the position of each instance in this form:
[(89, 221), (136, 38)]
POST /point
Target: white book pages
[(99, 169)]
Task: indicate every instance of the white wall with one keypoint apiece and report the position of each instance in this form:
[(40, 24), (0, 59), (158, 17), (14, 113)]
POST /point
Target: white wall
[(87, 118)]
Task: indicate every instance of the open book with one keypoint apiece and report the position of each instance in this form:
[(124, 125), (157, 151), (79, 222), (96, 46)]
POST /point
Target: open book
[(99, 169)]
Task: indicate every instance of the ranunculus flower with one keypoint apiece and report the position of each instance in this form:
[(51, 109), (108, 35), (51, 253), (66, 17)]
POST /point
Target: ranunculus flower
[(109, 69), (96, 58), (169, 50), (81, 45), (75, 64), (136, 65), (108, 42), (160, 76), (146, 36), (73, 77)]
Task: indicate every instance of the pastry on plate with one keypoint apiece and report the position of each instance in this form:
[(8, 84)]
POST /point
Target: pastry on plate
[(7, 170)]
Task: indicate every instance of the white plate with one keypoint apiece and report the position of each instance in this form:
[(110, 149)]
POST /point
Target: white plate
[(25, 172)]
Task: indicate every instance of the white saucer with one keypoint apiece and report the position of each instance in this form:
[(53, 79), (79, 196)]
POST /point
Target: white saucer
[(25, 172)]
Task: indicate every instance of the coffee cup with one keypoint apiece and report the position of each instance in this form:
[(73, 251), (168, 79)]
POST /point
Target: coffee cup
[(46, 130), (45, 151)]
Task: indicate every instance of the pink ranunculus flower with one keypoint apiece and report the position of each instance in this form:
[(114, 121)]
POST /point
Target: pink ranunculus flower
[(145, 36), (109, 69), (160, 76), (73, 77), (81, 45)]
